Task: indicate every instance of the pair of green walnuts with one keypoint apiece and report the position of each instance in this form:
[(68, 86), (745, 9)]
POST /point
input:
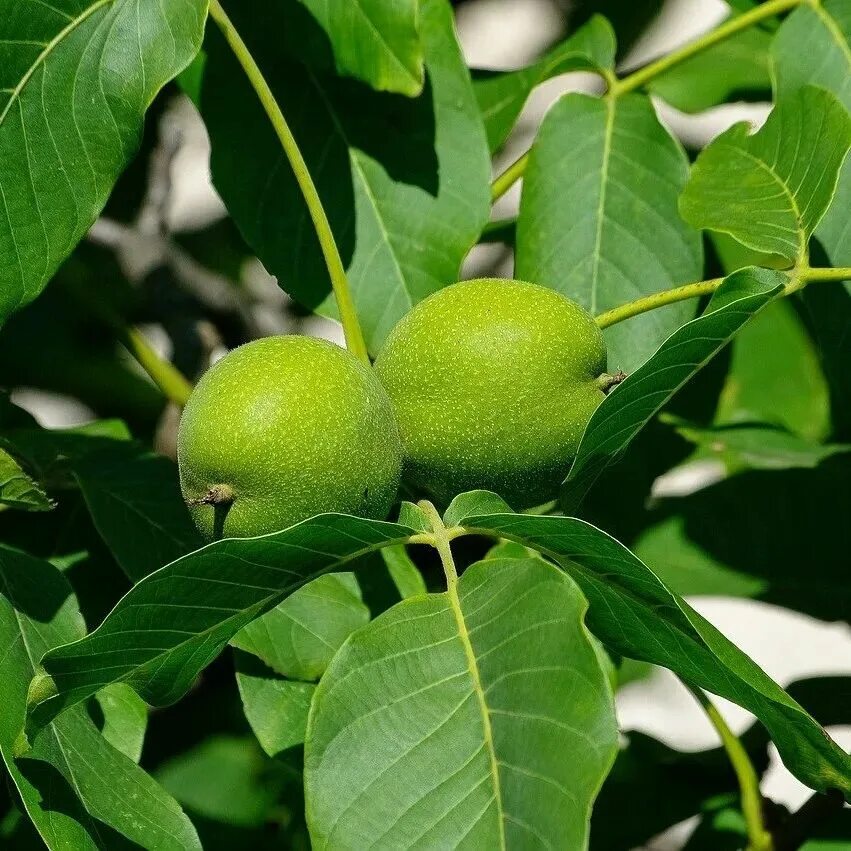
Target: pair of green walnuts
[(487, 384)]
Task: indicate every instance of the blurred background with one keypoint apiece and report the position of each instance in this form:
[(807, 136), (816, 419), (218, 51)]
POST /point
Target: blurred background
[(165, 257)]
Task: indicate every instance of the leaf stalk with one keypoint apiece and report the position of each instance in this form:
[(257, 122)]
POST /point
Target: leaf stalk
[(334, 263)]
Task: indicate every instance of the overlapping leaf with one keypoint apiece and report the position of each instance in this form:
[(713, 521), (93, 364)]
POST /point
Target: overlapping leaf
[(79, 791), (501, 95), (375, 40), (404, 181), (770, 190), (631, 404), (501, 721), (599, 220), (76, 77), (636, 615), (300, 635), (17, 489), (164, 631)]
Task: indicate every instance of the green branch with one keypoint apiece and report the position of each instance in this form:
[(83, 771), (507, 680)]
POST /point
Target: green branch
[(759, 839), (162, 372), (333, 261), (660, 299), (797, 280), (638, 79)]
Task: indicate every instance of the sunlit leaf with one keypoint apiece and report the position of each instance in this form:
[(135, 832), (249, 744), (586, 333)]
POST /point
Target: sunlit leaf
[(598, 216), (18, 490), (769, 190), (71, 109), (443, 723)]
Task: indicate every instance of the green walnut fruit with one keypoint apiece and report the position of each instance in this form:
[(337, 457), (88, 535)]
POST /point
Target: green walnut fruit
[(284, 428), (493, 383)]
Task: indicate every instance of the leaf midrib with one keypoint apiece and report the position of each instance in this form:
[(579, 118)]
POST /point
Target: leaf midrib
[(478, 690), (48, 49)]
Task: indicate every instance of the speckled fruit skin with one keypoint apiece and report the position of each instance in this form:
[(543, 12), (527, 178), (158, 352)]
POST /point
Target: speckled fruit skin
[(493, 382), (294, 427)]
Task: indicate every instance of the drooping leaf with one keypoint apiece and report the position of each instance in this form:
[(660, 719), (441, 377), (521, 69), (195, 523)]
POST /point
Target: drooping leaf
[(769, 190), (134, 499), (734, 67), (375, 40), (404, 181), (175, 621), (598, 216), (18, 490), (636, 400), (796, 556), (501, 95), (275, 707), (637, 616), (79, 790), (300, 635), (758, 446), (498, 740), (76, 77)]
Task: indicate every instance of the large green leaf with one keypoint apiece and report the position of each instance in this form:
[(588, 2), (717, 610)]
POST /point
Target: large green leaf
[(76, 77), (175, 621), (404, 181), (300, 635), (735, 66), (477, 718), (79, 791), (796, 556), (625, 411), (374, 40), (598, 216), (636, 615), (501, 95), (17, 489), (769, 190)]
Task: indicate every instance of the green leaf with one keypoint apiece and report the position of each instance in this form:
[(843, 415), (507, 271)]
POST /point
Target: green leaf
[(404, 181), (796, 556), (174, 622), (405, 574), (275, 707), (134, 498), (375, 41), (125, 717), (625, 411), (301, 634), (18, 490), (76, 77), (598, 216), (223, 778), (736, 66), (79, 791), (769, 190), (757, 446), (496, 740), (636, 615), (501, 95), (775, 375)]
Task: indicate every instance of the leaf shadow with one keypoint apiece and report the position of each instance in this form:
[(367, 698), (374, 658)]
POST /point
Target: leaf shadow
[(58, 796)]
